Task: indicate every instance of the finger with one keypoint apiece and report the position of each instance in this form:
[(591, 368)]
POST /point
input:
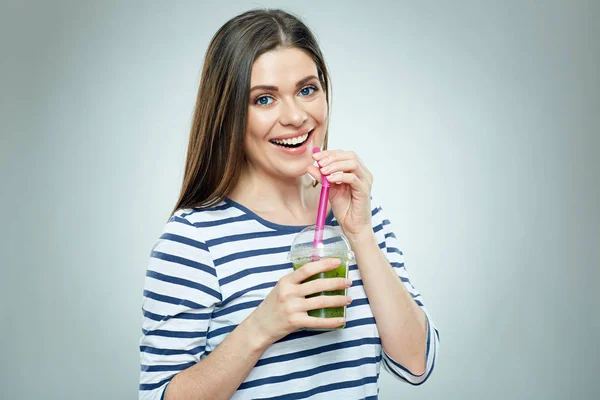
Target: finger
[(329, 156), (314, 172), (333, 154), (324, 285), (317, 302), (323, 323), (313, 268), (343, 166), (350, 179)]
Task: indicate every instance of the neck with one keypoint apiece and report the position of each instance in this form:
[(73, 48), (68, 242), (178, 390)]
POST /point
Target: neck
[(265, 193)]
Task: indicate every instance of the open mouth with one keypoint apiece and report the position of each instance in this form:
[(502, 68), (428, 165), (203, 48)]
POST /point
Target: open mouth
[(293, 142)]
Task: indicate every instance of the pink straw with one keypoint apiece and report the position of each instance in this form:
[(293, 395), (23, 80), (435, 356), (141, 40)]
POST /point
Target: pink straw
[(321, 212)]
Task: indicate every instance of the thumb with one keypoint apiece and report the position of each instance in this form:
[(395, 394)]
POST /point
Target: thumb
[(314, 172)]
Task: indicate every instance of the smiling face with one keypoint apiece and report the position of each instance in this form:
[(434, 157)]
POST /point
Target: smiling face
[(287, 113)]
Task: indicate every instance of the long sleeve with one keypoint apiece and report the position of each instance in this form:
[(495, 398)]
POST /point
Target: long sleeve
[(391, 248), (180, 291)]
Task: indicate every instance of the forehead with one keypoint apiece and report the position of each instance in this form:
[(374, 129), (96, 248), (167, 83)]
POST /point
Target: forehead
[(278, 67)]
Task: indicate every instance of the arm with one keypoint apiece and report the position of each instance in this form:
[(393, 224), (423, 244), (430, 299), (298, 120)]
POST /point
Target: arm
[(405, 329), (220, 374), (180, 292), (407, 334)]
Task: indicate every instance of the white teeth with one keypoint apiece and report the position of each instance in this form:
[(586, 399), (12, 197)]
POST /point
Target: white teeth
[(295, 140)]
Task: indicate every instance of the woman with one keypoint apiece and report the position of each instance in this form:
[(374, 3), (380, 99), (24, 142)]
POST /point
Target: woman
[(222, 305)]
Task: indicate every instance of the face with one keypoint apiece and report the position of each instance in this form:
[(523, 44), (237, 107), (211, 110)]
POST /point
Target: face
[(287, 113)]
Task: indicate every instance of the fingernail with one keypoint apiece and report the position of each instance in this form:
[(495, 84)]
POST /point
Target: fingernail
[(348, 282), (348, 300), (325, 170), (324, 162), (332, 177)]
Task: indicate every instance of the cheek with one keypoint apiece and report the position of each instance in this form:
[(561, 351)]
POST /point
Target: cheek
[(259, 123), (319, 109)]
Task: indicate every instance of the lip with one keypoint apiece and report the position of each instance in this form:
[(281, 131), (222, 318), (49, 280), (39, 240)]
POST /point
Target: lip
[(298, 150), (293, 135)]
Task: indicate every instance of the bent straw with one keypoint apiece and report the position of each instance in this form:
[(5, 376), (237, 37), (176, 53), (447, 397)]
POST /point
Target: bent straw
[(321, 212)]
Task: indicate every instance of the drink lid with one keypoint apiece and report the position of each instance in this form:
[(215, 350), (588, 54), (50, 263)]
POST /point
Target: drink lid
[(334, 245)]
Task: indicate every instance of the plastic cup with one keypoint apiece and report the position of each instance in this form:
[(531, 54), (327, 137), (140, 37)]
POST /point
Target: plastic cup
[(334, 245)]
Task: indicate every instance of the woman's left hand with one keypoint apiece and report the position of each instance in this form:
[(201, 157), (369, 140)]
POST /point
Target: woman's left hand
[(350, 193)]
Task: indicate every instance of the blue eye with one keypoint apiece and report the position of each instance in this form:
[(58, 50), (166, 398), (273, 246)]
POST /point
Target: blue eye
[(308, 90), (263, 100)]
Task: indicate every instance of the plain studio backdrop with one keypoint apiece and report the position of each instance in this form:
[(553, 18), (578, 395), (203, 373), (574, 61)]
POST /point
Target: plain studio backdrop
[(479, 120)]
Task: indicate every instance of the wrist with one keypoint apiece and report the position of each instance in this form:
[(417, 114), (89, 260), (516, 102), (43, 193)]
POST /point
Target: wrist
[(256, 336), (362, 238)]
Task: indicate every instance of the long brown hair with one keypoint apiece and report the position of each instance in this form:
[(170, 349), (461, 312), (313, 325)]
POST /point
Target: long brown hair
[(215, 154)]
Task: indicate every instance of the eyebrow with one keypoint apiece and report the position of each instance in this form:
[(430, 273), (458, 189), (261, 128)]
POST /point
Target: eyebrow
[(275, 88)]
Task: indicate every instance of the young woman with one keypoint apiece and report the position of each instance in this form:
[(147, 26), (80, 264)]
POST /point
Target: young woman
[(222, 305)]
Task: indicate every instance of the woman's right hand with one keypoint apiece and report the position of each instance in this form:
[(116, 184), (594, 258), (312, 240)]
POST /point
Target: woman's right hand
[(284, 310)]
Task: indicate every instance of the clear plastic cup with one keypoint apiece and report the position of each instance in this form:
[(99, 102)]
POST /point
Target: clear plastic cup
[(334, 245)]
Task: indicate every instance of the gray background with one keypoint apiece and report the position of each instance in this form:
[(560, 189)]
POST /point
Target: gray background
[(480, 122)]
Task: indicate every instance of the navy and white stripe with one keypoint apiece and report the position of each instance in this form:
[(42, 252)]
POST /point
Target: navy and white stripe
[(211, 268)]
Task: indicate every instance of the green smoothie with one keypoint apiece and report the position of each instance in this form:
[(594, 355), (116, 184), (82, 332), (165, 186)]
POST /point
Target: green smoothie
[(339, 272)]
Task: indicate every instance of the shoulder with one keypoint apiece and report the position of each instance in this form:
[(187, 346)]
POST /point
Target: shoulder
[(204, 224), (203, 216), (185, 239)]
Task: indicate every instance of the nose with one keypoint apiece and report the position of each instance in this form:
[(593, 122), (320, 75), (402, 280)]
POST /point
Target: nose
[(292, 114)]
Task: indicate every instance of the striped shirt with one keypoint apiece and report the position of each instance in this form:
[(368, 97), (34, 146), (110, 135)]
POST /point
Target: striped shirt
[(211, 268)]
